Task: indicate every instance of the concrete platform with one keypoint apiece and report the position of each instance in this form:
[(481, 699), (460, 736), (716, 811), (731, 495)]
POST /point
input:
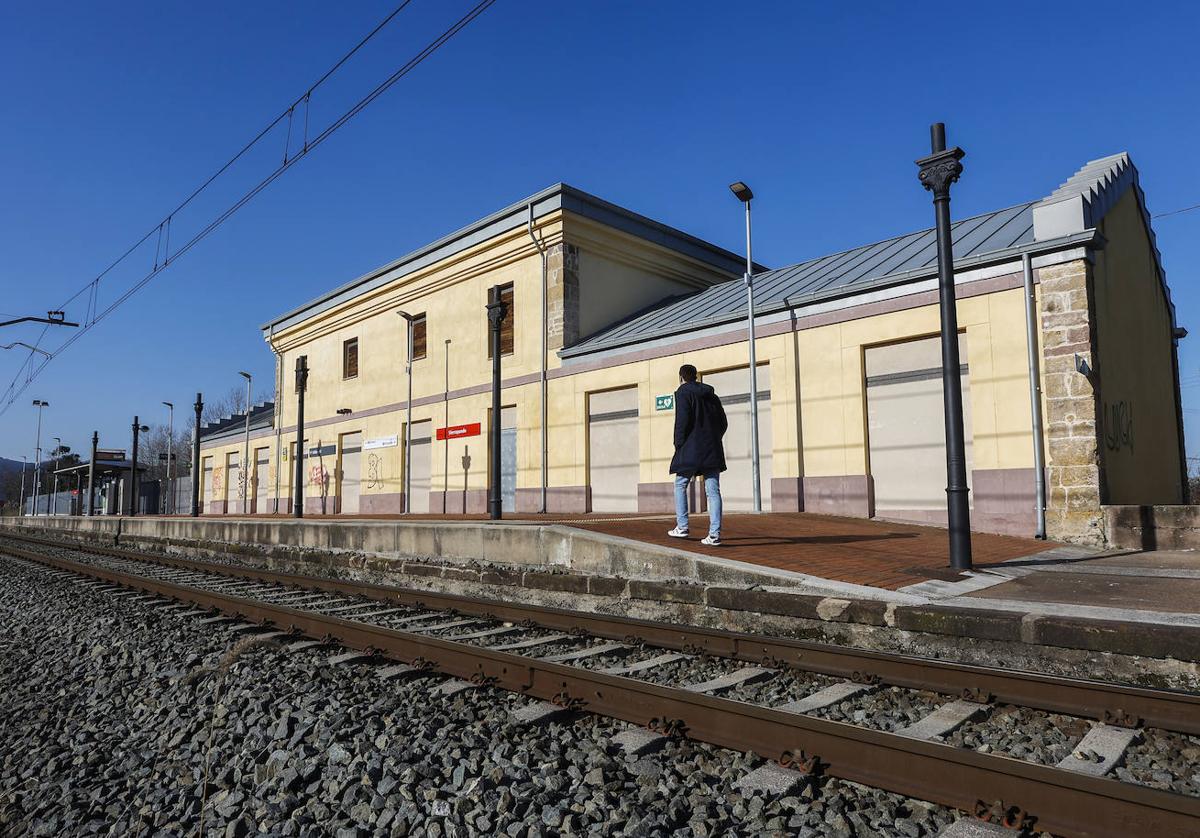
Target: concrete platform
[(1132, 617)]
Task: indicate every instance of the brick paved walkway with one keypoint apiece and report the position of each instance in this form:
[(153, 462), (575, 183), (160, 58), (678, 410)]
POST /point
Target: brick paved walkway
[(877, 553)]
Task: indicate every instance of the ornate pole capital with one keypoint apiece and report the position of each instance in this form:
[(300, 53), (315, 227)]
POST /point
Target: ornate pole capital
[(495, 312), (301, 373), (941, 169)]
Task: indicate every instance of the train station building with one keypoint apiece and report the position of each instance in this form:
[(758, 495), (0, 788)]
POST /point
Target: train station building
[(1063, 297)]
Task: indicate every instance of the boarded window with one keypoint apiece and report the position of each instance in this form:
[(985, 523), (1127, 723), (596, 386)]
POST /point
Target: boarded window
[(418, 337), (350, 358), (506, 325)]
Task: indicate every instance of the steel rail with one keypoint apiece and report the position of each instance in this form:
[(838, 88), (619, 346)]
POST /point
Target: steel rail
[(1167, 709), (1060, 801)]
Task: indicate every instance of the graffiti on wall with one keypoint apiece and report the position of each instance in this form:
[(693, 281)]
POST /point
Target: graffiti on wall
[(218, 480), (317, 476), (1118, 426), (374, 471)]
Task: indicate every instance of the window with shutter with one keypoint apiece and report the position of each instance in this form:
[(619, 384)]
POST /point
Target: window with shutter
[(506, 325), (418, 337), (350, 358)]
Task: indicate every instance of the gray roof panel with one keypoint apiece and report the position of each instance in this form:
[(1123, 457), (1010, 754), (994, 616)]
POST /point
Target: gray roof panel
[(795, 285)]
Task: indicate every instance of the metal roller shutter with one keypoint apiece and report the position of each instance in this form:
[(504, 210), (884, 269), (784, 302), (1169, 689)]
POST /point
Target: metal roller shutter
[(733, 386), (613, 450), (906, 426)]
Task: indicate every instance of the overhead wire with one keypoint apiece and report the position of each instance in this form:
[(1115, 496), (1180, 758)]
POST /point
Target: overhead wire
[(14, 391), (1177, 212)]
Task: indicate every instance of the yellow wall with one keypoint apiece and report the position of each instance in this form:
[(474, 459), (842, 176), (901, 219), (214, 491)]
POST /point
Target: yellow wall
[(1140, 431), (818, 402), (820, 369), (453, 294)]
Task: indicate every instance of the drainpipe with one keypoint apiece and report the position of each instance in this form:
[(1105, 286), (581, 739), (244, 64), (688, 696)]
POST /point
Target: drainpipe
[(1178, 333), (538, 242), (1035, 395)]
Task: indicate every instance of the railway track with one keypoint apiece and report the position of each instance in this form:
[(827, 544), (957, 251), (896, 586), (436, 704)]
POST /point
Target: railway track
[(633, 670)]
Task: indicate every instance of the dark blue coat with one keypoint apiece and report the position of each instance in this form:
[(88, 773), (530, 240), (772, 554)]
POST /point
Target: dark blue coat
[(699, 425)]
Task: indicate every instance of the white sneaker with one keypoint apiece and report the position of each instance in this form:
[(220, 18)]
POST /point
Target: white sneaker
[(711, 540), (678, 533)]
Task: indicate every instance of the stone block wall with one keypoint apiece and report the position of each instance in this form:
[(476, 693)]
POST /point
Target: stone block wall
[(1075, 464), (562, 295)]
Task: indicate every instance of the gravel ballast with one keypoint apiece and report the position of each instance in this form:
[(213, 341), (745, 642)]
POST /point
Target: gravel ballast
[(125, 718), (1031, 735)]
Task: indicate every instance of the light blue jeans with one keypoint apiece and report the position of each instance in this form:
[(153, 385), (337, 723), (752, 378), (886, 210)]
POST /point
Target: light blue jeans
[(712, 488)]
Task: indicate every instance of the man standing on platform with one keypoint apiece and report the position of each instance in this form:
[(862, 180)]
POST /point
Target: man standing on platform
[(700, 424)]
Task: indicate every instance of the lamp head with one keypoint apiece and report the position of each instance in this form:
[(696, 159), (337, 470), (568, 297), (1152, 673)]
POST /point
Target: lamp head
[(168, 404), (245, 375), (405, 315), (741, 191)]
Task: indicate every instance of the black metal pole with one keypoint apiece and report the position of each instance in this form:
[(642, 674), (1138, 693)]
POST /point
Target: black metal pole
[(938, 171), (496, 310), (301, 386), (133, 470), (199, 407), (91, 503)]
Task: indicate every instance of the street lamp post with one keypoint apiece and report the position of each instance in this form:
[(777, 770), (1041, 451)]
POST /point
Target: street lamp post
[(37, 460), (24, 462), (170, 456), (57, 458), (496, 309), (408, 319), (91, 504), (245, 475), (199, 408), (133, 467), (745, 195), (940, 169), (301, 386)]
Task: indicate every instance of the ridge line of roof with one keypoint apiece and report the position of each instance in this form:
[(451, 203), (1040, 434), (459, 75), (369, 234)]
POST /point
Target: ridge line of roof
[(545, 201)]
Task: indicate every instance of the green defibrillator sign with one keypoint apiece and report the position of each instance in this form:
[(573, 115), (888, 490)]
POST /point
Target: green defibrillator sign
[(666, 402)]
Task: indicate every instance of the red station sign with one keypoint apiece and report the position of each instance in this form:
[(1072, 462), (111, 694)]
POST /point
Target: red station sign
[(456, 431)]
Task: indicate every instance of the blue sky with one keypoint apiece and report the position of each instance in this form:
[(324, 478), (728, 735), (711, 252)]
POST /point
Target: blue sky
[(113, 112)]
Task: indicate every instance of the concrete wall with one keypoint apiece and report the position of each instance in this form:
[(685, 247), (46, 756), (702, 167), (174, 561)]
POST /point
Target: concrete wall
[(1170, 527), (550, 548), (1138, 426)]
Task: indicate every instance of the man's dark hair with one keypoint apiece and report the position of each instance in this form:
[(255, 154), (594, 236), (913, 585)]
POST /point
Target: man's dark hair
[(687, 372)]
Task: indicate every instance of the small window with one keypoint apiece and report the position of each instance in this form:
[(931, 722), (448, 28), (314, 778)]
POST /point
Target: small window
[(506, 325), (418, 337), (350, 358)]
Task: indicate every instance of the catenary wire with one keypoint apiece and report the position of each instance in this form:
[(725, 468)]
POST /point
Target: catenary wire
[(14, 390)]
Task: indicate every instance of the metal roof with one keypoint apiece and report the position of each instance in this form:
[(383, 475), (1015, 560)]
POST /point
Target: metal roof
[(847, 272), (560, 196), (262, 415)]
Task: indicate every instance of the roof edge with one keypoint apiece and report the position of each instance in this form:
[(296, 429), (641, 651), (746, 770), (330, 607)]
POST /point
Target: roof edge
[(559, 196)]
